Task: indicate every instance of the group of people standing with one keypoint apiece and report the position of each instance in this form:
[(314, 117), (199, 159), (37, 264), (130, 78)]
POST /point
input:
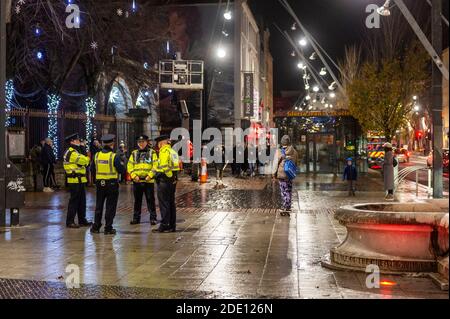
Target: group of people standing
[(43, 161), (146, 167)]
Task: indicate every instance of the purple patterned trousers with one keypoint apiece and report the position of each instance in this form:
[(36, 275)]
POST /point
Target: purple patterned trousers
[(286, 193)]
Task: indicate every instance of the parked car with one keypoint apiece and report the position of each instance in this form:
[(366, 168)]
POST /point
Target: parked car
[(445, 159), (402, 155)]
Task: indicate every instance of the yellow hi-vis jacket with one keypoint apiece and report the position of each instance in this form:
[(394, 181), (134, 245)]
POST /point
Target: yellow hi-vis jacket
[(168, 162), (104, 166), (75, 165), (141, 164)]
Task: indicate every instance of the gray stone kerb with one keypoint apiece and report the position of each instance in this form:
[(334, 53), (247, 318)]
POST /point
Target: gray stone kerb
[(392, 213)]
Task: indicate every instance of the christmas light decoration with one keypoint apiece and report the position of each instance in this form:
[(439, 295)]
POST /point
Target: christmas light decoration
[(9, 94), (90, 114), (53, 101)]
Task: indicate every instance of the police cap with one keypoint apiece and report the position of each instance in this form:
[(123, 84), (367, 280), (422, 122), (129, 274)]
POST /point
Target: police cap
[(142, 138), (108, 138), (72, 137), (162, 138)]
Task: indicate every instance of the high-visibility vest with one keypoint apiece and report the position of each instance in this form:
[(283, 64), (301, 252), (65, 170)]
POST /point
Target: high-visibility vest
[(75, 165), (175, 160), (168, 162), (141, 165), (104, 166)]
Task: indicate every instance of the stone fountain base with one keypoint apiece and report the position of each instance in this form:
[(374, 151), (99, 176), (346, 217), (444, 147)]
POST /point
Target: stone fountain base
[(400, 238)]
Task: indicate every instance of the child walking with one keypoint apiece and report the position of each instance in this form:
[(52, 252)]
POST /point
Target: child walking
[(350, 175)]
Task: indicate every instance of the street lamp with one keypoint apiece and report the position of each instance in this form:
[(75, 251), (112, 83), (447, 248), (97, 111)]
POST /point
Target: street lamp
[(221, 53), (384, 10), (227, 15)]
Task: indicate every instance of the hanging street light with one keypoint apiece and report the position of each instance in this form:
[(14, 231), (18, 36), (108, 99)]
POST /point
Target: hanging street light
[(384, 10), (228, 16)]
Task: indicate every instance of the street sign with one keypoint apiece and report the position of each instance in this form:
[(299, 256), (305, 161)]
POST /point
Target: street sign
[(249, 102), (181, 75)]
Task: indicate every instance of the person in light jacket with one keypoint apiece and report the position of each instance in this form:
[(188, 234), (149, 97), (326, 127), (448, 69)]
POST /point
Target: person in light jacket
[(388, 171), (278, 172)]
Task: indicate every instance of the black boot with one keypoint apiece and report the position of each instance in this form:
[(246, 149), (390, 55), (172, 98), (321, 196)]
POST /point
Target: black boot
[(111, 231)]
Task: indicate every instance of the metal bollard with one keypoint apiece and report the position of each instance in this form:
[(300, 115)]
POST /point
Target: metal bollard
[(14, 216)]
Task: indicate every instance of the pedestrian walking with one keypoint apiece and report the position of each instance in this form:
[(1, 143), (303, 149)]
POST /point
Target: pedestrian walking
[(35, 157), (388, 171), (123, 155), (252, 160), (75, 163), (166, 179), (219, 165), (48, 160), (287, 153), (107, 166), (140, 167), (350, 175)]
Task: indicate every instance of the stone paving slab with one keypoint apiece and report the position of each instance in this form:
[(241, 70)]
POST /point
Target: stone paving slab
[(230, 244)]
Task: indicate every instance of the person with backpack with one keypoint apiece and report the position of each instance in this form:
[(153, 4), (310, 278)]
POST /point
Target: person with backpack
[(388, 171), (285, 171), (350, 175)]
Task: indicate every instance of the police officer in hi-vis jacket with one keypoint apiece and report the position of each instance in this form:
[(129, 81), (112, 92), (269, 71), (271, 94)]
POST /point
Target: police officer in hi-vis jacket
[(107, 166), (166, 178), (75, 163), (140, 167)]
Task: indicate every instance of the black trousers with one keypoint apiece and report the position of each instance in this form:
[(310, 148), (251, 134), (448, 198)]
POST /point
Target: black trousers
[(107, 191), (48, 175), (77, 204), (140, 190), (167, 206)]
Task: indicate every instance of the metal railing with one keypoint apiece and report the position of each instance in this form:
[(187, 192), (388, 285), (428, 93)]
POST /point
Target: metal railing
[(404, 173)]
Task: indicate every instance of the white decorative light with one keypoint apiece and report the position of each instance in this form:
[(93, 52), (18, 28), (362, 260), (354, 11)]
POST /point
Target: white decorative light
[(9, 94), (294, 27), (300, 65), (316, 88), (308, 97), (332, 85), (90, 115), (94, 45), (417, 108), (331, 106), (303, 42), (293, 53), (415, 97), (114, 95), (323, 71), (53, 101), (332, 95), (313, 56)]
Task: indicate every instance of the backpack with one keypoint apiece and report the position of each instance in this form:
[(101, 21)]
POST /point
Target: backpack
[(289, 168)]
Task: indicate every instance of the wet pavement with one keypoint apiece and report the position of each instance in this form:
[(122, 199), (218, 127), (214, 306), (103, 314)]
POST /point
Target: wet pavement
[(230, 243)]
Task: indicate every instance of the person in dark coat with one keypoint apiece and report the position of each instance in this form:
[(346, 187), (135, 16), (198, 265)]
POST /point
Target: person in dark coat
[(350, 175), (35, 157), (48, 161), (388, 171)]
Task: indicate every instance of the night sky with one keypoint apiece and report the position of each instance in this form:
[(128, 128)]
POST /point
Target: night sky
[(334, 23)]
